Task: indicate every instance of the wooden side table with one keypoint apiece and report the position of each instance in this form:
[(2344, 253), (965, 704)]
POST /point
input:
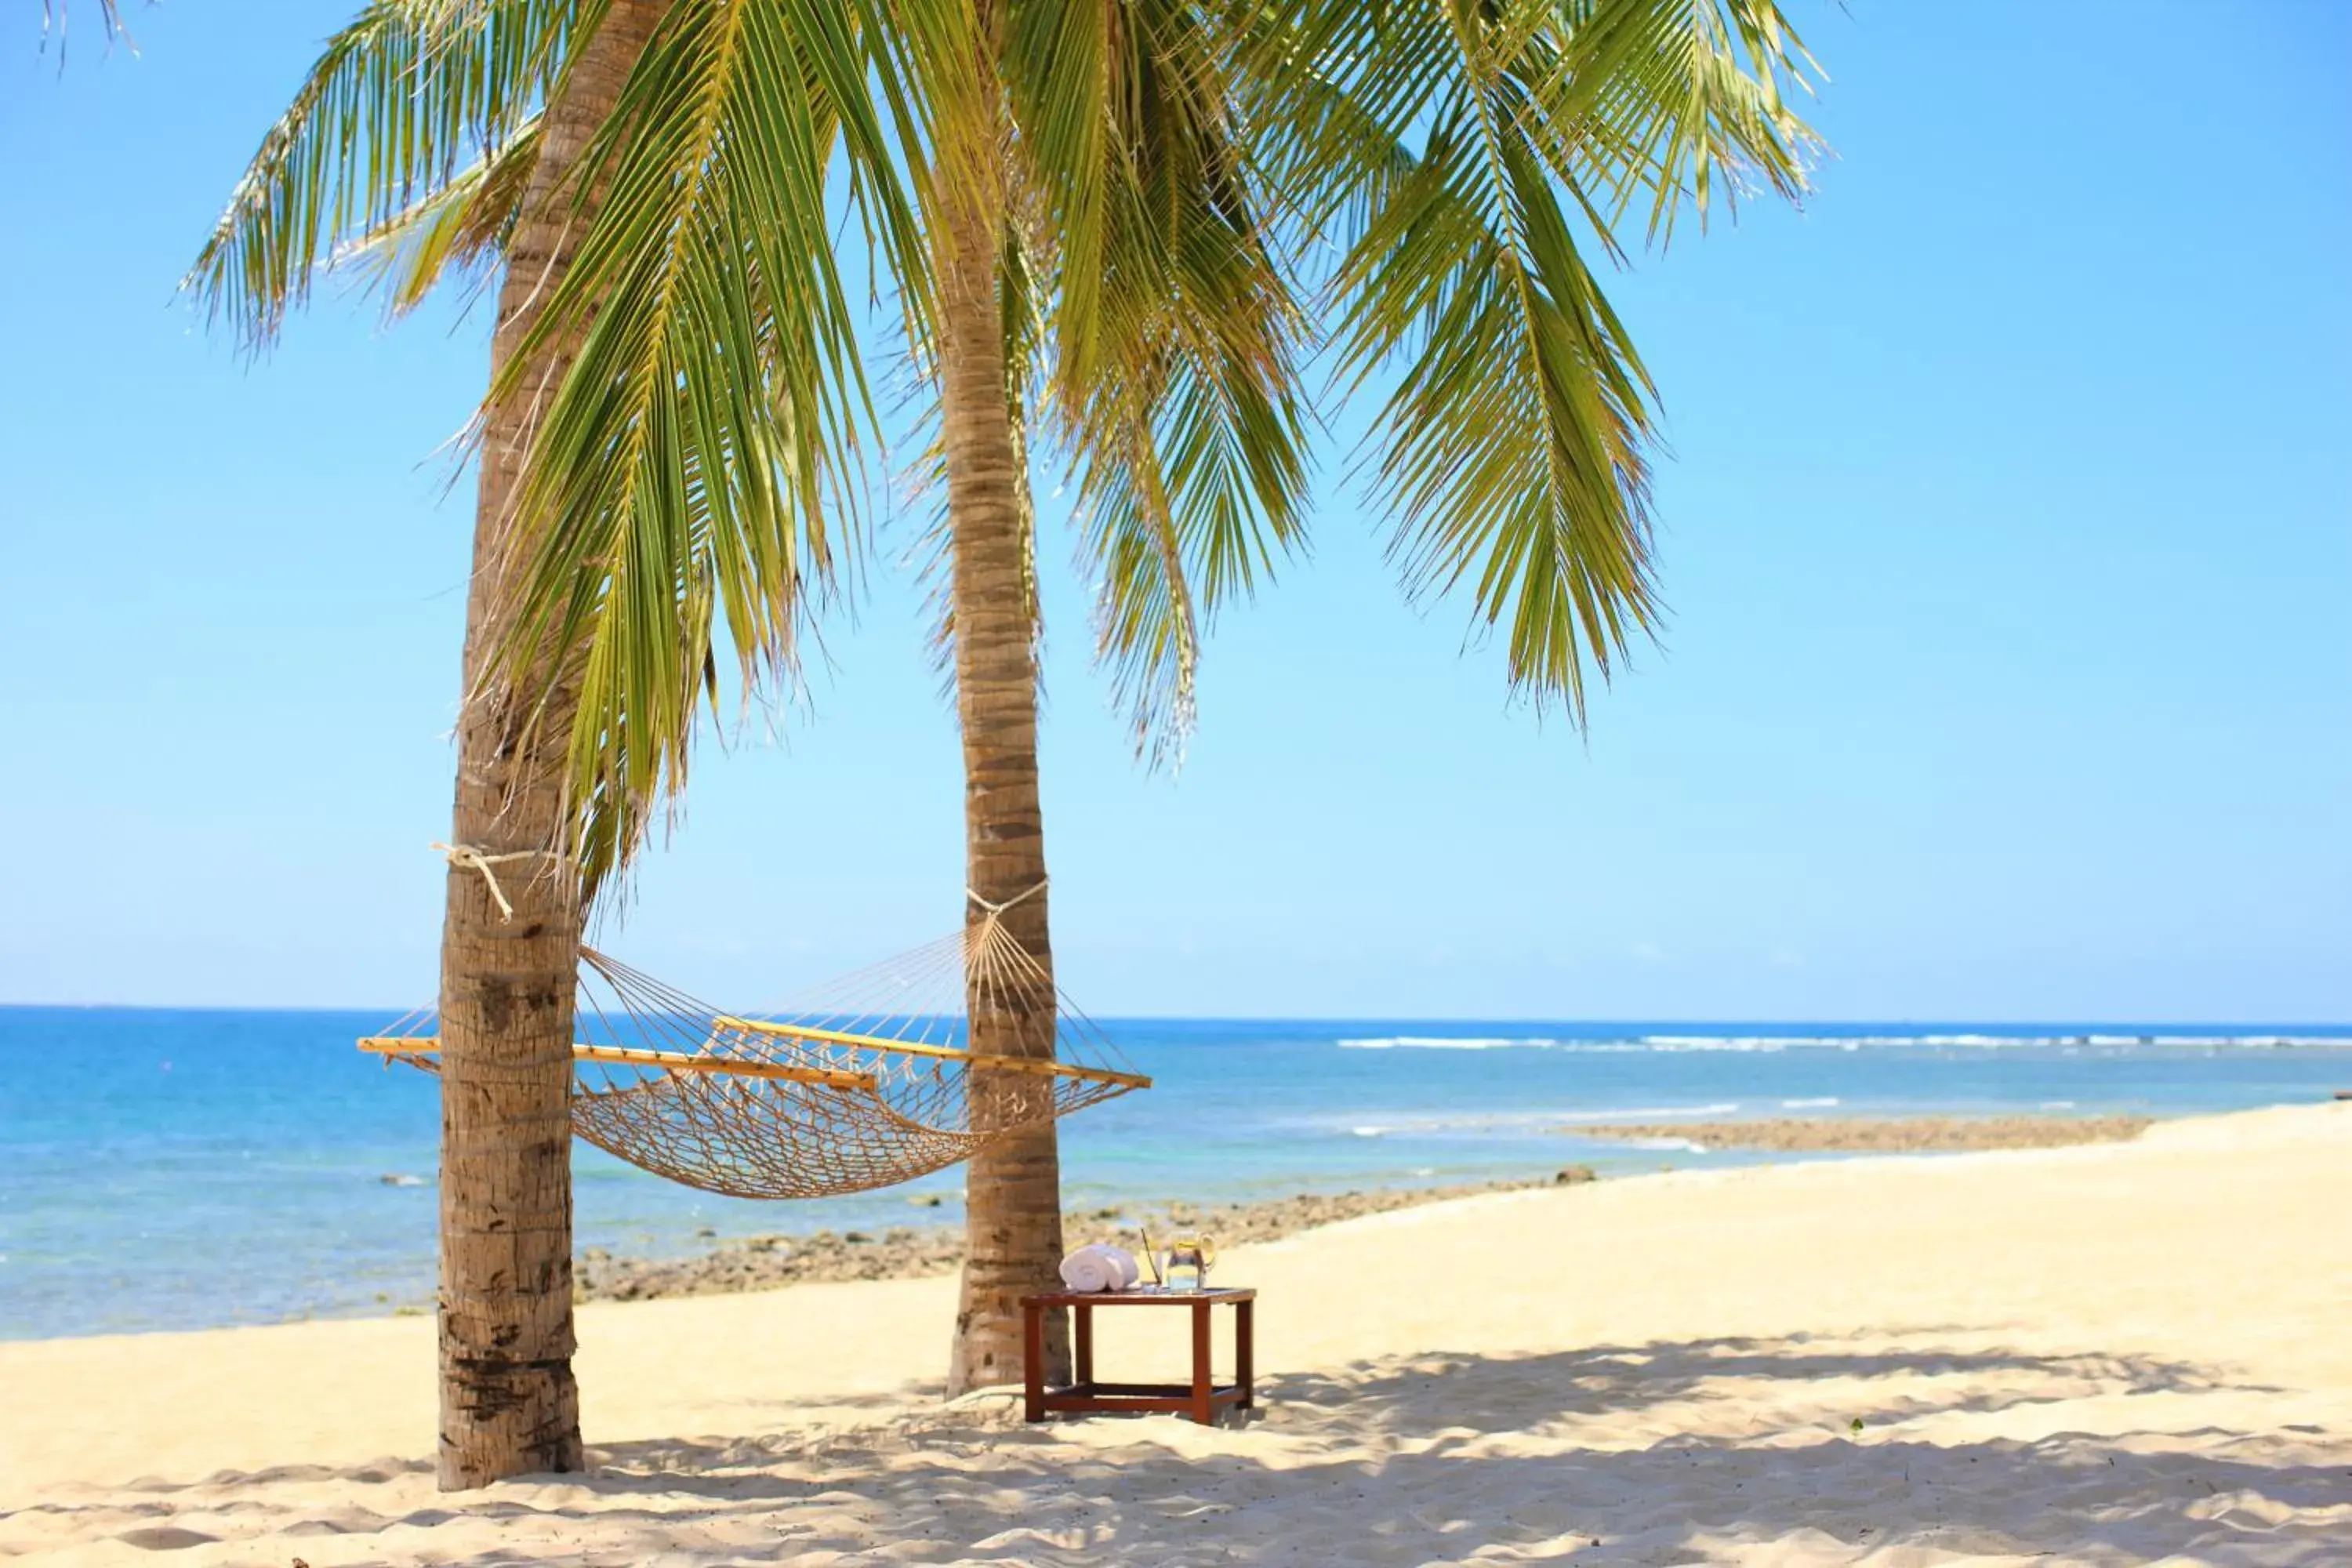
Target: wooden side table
[(1202, 1400)]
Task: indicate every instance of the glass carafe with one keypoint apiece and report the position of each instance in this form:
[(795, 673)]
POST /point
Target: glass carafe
[(1186, 1265)]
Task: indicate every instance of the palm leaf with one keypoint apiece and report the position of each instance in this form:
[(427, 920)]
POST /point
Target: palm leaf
[(1173, 337), (1449, 148), (397, 106), (683, 471), (462, 229)]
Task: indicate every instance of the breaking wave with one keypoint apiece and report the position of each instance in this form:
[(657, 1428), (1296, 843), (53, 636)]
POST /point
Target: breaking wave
[(1449, 1043)]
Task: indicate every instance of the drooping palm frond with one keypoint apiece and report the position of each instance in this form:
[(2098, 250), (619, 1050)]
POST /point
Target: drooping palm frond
[(462, 229), (1685, 104), (399, 104), (1512, 448), (695, 462), (1448, 149), (1170, 334)]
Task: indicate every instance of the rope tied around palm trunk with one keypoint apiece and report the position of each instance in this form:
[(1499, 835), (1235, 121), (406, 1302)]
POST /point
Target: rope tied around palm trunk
[(474, 858), (994, 910)]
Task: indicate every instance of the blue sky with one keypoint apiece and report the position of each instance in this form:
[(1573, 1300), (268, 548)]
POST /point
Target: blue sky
[(2005, 533)]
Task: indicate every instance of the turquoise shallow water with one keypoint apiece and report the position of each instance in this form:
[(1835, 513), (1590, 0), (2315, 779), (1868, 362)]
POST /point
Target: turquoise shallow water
[(163, 1169)]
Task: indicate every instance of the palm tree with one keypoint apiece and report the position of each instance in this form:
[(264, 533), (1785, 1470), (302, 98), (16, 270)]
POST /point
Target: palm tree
[(434, 96), (1116, 234)]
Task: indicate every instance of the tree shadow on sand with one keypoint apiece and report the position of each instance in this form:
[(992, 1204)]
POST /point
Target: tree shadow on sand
[(1413, 1459), (1438, 1458), (1491, 1394)]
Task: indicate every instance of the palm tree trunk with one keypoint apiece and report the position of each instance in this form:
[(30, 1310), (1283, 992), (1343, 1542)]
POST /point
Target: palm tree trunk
[(509, 1403), (1012, 1210)]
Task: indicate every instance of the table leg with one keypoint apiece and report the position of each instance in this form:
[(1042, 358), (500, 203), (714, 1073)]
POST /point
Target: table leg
[(1033, 1360), (1204, 1410), (1083, 1351), (1246, 1353)]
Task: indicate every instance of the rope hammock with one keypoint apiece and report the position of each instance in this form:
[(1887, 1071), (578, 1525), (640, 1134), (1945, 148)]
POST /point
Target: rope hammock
[(866, 1083)]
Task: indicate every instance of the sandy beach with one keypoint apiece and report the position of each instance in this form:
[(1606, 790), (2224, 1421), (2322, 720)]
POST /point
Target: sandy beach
[(2118, 1353)]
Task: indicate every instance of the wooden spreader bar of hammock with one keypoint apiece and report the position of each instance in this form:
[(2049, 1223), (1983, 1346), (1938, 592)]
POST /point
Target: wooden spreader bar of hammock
[(668, 1061), (946, 1053)]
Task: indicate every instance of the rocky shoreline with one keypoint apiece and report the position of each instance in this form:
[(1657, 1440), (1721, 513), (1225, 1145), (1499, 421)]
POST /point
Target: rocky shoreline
[(907, 1252), (1866, 1135)]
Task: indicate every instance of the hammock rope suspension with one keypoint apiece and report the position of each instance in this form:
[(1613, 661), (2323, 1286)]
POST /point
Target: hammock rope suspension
[(867, 1082)]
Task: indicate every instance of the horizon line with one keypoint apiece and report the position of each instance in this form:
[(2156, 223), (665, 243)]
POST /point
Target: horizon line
[(2240, 1024)]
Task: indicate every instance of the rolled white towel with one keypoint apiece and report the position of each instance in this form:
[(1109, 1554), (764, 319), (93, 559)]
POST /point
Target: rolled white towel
[(1130, 1272), (1086, 1271)]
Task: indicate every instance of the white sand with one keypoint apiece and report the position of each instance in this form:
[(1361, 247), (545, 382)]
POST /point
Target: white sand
[(2127, 1353)]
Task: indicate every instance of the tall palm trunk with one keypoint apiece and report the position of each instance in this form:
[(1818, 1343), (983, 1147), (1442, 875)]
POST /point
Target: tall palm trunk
[(509, 1403), (1012, 1210)]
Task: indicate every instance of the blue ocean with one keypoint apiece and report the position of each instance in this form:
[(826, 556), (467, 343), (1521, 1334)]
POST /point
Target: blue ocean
[(178, 1170)]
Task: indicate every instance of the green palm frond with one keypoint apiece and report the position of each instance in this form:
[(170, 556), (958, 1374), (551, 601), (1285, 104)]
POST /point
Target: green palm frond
[(1065, 70), (1171, 334), (398, 105), (1192, 469), (684, 470), (461, 228), (1449, 149), (1685, 104)]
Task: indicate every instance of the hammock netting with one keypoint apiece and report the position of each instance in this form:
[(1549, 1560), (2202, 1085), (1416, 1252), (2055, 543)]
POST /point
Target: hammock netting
[(867, 1082)]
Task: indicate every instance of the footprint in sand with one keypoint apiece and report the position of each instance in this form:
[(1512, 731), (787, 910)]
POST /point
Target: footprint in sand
[(166, 1538)]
